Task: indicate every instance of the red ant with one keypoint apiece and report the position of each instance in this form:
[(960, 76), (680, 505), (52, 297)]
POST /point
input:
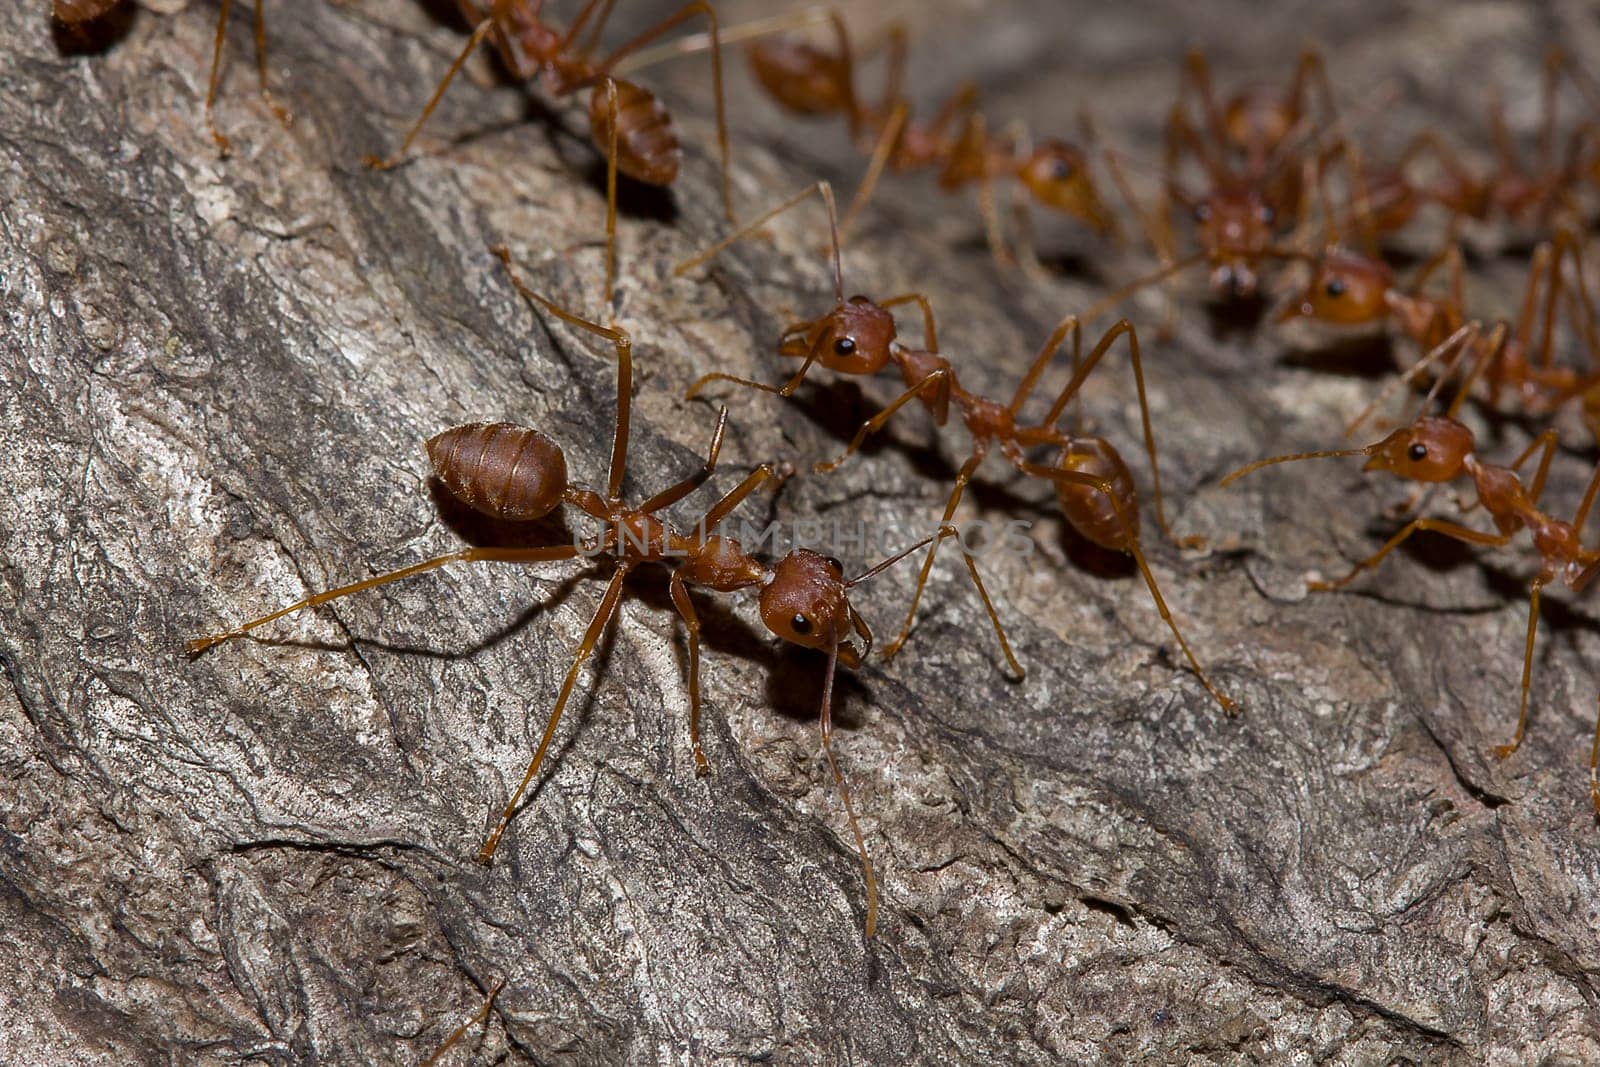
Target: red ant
[(517, 474), (637, 124), (1515, 189), (807, 80), (1438, 449), (1349, 289), (1239, 217), (1094, 488), (80, 12)]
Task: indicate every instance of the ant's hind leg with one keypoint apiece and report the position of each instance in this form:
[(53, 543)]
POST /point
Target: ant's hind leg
[(1502, 751), (470, 555), (685, 605), (602, 616)]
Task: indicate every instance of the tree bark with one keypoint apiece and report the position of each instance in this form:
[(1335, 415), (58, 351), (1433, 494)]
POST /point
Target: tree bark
[(218, 376)]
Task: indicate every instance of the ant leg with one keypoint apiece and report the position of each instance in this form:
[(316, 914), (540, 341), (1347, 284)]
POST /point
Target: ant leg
[(888, 141), (993, 227), (1502, 751), (683, 14), (1547, 443), (946, 530), (1081, 374), (495, 17), (685, 605), (994, 616), (602, 617), (1441, 526), (671, 495), (938, 380), (1454, 346), (624, 347), (481, 1016), (1580, 518), (724, 507), (277, 110), (1197, 80), (1160, 242), (224, 146), (825, 719), (592, 41), (469, 555), (894, 66), (1131, 539), (1594, 767)]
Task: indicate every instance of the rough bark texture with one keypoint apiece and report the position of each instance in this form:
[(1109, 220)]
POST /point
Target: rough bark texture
[(217, 379)]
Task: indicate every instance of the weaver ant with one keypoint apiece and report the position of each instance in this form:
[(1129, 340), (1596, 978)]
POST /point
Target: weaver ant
[(1258, 166), (1515, 189), (1351, 290), (1094, 488), (638, 129), (77, 13), (1435, 449), (516, 474), (809, 80)]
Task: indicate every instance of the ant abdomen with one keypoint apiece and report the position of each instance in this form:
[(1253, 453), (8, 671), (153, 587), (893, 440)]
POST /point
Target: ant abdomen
[(501, 469), (75, 11), (1094, 514), (800, 76), (647, 143)]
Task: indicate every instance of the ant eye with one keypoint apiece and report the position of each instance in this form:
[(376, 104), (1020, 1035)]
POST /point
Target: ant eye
[(833, 561), (1418, 452), (1265, 213), (800, 624), (844, 346), (1060, 169), (859, 299), (1335, 287), (1202, 211)]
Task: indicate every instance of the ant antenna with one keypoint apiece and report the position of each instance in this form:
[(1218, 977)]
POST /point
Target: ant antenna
[(822, 189), (1292, 457)]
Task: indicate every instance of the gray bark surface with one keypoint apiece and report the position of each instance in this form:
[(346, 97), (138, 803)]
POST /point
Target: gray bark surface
[(217, 378)]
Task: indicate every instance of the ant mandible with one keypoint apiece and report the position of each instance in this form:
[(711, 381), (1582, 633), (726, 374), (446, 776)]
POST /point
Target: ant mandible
[(517, 474), (638, 130), (1094, 488), (1435, 449)]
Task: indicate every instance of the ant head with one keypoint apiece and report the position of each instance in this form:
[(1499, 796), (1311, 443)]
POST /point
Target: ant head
[(1345, 290), (1235, 226), (1057, 176), (806, 601), (1432, 449), (853, 338)]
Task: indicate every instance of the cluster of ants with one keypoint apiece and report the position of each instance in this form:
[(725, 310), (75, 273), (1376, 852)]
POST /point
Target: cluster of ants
[(1286, 191)]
